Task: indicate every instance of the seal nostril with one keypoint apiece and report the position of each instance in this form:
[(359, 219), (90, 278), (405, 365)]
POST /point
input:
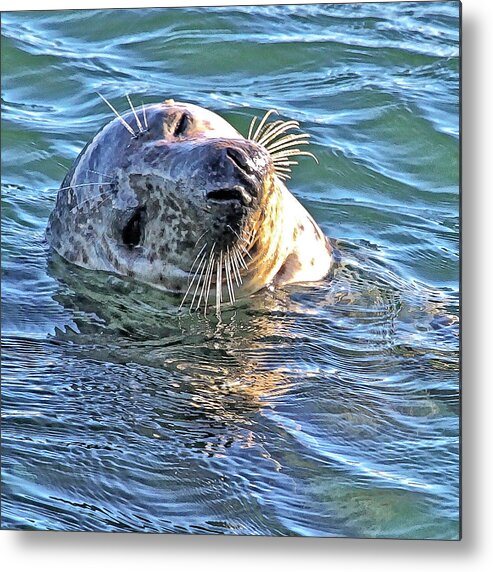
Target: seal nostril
[(239, 159), (181, 125), (233, 194)]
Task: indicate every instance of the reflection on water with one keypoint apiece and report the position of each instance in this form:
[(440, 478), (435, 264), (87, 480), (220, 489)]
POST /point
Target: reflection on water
[(329, 409)]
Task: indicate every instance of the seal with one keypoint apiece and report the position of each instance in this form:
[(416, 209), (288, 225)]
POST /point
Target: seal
[(173, 195)]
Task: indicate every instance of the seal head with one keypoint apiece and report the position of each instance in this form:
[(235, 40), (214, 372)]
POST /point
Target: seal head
[(172, 195)]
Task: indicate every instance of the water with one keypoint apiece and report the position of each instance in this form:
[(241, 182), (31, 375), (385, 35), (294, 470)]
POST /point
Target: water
[(330, 409)]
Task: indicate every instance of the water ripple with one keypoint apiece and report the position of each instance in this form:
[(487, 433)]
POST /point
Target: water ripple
[(330, 409)]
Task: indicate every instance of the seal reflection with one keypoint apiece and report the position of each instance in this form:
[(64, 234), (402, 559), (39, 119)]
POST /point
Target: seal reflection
[(215, 376)]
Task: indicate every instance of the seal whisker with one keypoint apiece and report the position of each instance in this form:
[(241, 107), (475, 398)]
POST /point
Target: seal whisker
[(281, 127), (64, 167), (268, 129), (219, 283), (250, 129), (245, 251), (277, 131), (202, 235), (76, 207), (196, 258), (201, 268), (279, 144), (293, 152), (236, 271), (139, 124), (240, 238), (145, 116), (209, 282), (209, 268), (253, 237), (278, 153), (229, 282), (262, 123), (193, 280), (236, 268), (283, 169), (285, 153), (285, 146), (106, 194), (122, 121), (250, 233), (283, 176), (101, 174), (288, 141), (240, 258), (284, 136), (285, 163), (82, 185)]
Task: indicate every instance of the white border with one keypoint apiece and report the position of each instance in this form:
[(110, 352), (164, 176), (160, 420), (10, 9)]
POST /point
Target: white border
[(39, 551), (96, 4)]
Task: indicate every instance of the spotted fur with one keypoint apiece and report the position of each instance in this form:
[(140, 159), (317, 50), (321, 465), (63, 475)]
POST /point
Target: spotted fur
[(172, 195)]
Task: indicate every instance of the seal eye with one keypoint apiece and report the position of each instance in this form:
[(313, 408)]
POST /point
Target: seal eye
[(181, 125), (132, 232)]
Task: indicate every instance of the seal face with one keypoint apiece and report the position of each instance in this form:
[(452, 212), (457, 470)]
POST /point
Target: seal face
[(172, 195)]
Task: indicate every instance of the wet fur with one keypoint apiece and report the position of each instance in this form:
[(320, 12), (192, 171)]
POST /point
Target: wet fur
[(158, 165)]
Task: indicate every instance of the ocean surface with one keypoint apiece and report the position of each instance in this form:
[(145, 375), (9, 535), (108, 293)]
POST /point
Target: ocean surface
[(329, 409)]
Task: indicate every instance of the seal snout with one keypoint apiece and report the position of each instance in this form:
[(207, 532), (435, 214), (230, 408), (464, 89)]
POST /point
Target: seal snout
[(238, 168)]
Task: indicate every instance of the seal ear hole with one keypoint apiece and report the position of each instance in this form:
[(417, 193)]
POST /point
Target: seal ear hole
[(132, 232)]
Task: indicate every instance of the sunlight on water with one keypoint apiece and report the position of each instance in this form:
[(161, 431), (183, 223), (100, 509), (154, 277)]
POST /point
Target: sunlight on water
[(330, 409)]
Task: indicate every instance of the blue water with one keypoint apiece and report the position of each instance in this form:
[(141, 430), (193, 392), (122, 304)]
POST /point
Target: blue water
[(328, 410)]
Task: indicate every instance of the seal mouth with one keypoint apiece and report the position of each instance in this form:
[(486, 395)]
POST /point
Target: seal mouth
[(229, 195)]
